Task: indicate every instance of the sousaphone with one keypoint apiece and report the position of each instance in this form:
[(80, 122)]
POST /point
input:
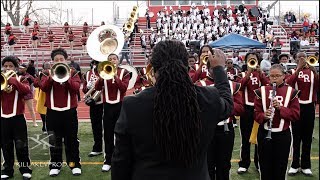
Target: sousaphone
[(103, 41)]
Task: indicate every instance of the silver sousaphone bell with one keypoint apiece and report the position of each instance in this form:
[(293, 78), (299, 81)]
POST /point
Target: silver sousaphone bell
[(103, 41)]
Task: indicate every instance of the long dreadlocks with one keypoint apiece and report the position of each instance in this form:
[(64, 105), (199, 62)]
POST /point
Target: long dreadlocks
[(176, 120)]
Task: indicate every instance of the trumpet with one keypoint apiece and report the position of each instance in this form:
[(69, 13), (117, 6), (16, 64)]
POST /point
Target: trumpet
[(205, 59), (312, 60), (107, 70), (4, 80), (60, 72), (252, 63)]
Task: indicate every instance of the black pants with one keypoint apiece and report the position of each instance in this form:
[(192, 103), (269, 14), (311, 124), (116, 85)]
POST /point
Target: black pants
[(111, 114), (302, 131), (124, 55), (273, 154), (220, 152), (96, 113), (246, 123), (14, 134), (63, 124), (43, 118)]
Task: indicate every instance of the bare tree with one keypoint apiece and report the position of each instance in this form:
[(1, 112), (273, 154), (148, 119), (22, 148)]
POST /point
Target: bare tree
[(14, 9)]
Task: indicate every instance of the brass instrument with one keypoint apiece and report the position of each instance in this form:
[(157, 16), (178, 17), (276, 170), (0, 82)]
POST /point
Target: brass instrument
[(103, 41), (107, 70), (150, 74), (274, 88), (4, 80), (312, 60), (205, 59), (252, 63), (129, 26), (60, 72)]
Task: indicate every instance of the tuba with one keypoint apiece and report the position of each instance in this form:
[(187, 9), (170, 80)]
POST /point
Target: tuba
[(252, 63), (60, 72), (4, 80), (103, 41), (312, 60)]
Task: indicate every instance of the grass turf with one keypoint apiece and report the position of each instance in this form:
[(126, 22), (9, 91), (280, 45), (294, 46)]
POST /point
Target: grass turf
[(91, 167)]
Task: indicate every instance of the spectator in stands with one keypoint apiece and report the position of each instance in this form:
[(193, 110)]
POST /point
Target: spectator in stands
[(284, 58), (148, 18), (265, 64), (8, 29), (305, 24), (84, 39), (143, 41), (26, 22), (85, 27), (274, 56), (102, 23), (31, 69), (237, 60), (36, 26), (304, 41), (125, 51), (316, 42), (294, 35), (51, 37), (12, 41), (66, 29), (135, 29), (291, 18), (152, 38), (71, 38), (277, 43), (35, 38)]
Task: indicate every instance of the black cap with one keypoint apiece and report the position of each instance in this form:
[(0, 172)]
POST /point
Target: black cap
[(22, 66), (282, 55)]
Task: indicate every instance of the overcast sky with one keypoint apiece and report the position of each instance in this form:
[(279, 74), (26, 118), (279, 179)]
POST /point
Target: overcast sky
[(103, 10)]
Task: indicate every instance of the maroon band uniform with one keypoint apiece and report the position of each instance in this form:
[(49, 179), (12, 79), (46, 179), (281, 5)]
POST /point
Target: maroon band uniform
[(274, 153), (14, 127), (114, 91)]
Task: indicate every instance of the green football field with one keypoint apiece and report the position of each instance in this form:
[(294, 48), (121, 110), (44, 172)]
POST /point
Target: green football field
[(91, 167)]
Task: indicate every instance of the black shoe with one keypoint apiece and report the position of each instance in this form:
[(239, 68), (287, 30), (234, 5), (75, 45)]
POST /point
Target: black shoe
[(92, 154)]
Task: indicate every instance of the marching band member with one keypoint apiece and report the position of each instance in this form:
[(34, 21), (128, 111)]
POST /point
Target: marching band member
[(40, 97), (13, 123), (274, 152), (62, 119), (220, 149), (114, 91), (96, 108), (232, 72), (202, 71), (252, 79), (142, 81), (192, 65), (306, 80)]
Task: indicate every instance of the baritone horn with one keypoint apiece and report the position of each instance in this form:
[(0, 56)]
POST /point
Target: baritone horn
[(107, 70), (60, 72), (252, 63), (150, 74), (5, 78), (312, 60)]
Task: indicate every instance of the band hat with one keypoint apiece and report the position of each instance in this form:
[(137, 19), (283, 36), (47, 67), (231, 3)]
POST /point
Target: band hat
[(22, 66)]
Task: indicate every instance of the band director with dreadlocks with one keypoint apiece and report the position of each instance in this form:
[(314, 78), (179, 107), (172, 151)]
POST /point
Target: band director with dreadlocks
[(167, 136)]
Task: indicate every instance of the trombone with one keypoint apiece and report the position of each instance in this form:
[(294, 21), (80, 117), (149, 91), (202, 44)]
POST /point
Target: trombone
[(5, 80)]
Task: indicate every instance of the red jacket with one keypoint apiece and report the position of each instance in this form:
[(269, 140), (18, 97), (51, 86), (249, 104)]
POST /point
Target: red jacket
[(289, 110), (141, 82), (248, 85), (61, 97), (307, 83), (12, 103), (114, 90), (199, 74), (233, 74), (238, 108)]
